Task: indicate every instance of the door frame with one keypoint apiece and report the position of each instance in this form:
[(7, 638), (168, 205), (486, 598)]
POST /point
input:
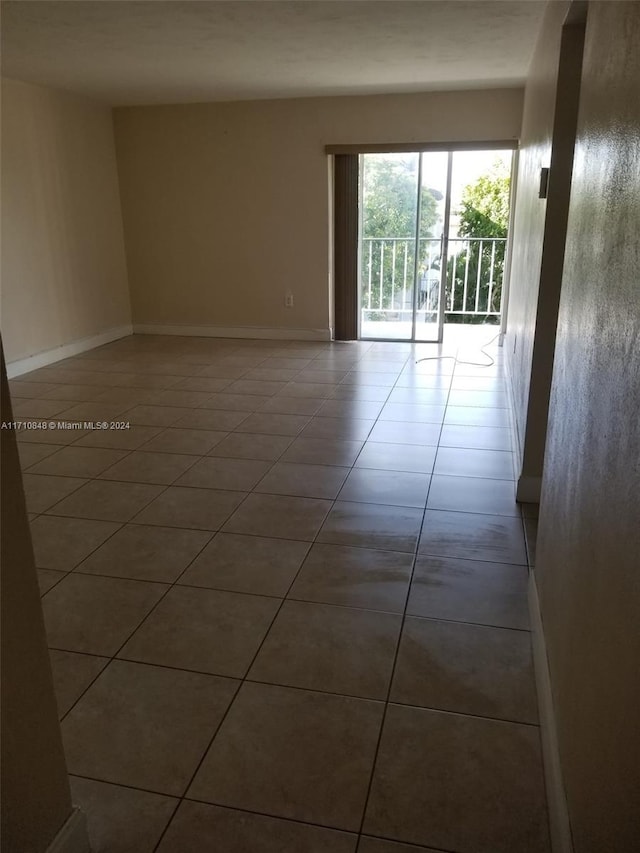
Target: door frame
[(346, 280)]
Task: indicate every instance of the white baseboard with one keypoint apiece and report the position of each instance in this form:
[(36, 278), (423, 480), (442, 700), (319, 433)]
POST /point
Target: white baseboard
[(50, 356), (73, 837), (528, 490), (256, 332), (559, 824)]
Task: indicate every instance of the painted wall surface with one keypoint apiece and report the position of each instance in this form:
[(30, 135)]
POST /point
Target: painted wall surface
[(63, 264), (529, 227), (36, 800), (589, 531), (226, 206)]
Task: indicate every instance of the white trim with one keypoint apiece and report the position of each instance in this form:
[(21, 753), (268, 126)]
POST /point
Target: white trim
[(528, 489), (73, 837), (50, 356), (255, 332), (559, 824)]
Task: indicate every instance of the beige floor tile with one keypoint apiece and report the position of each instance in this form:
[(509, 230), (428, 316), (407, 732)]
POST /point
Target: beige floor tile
[(313, 390), (279, 517), (312, 481), (284, 752), (159, 746), (247, 564), (146, 553), (348, 408), (464, 462), (198, 509), (477, 416), (271, 374), (473, 494), (27, 389), (250, 446), (146, 467), (79, 393), (470, 591), (72, 674), (125, 397), (31, 454), (224, 473), (478, 437), (226, 402), (48, 578), (473, 536), (469, 669), (42, 491), (394, 488), (201, 383), (95, 614), (333, 649), (356, 577), (458, 783), (120, 439), (107, 501), (198, 827), (419, 413), (121, 820), (186, 399), (351, 429), (99, 410), (362, 393), (401, 432), (323, 451), (435, 396), (161, 416), (34, 408), (291, 405), (388, 528), (61, 543), (224, 371), (204, 630), (417, 459), (196, 442), (78, 461), (211, 419), (47, 433), (487, 399), (325, 377), (287, 363), (266, 423), (380, 845), (253, 386)]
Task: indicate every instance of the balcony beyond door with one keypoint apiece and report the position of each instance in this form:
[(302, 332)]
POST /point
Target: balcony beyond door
[(432, 241)]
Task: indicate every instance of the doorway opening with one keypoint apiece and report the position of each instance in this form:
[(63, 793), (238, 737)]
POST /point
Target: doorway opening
[(432, 242)]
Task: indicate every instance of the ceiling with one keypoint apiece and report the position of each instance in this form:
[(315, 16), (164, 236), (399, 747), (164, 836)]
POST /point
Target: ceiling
[(154, 51)]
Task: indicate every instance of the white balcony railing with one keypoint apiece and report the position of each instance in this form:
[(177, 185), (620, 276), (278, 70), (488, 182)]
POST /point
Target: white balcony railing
[(473, 280)]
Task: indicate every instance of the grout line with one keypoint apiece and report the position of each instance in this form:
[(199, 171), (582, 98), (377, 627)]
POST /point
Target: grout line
[(393, 668)]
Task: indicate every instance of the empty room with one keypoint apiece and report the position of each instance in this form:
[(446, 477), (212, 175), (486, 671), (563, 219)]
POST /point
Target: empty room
[(320, 438)]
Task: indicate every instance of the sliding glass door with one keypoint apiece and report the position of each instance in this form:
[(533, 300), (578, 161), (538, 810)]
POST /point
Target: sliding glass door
[(404, 226)]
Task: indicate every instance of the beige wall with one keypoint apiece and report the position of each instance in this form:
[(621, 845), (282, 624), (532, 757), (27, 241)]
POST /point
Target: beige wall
[(539, 225), (589, 535), (36, 800), (63, 265), (226, 206)]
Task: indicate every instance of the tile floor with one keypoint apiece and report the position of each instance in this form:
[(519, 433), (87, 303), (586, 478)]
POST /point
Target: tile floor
[(286, 606)]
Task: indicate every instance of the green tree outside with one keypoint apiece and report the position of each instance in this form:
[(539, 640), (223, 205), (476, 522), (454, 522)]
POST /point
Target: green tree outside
[(483, 212), (389, 210)]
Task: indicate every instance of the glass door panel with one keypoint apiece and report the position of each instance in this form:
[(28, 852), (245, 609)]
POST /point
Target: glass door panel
[(432, 245), (388, 232)]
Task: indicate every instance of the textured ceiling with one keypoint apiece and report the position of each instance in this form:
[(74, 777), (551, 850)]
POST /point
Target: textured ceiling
[(153, 51)]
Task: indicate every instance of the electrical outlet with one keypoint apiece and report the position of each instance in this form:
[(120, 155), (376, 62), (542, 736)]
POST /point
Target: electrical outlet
[(288, 299)]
